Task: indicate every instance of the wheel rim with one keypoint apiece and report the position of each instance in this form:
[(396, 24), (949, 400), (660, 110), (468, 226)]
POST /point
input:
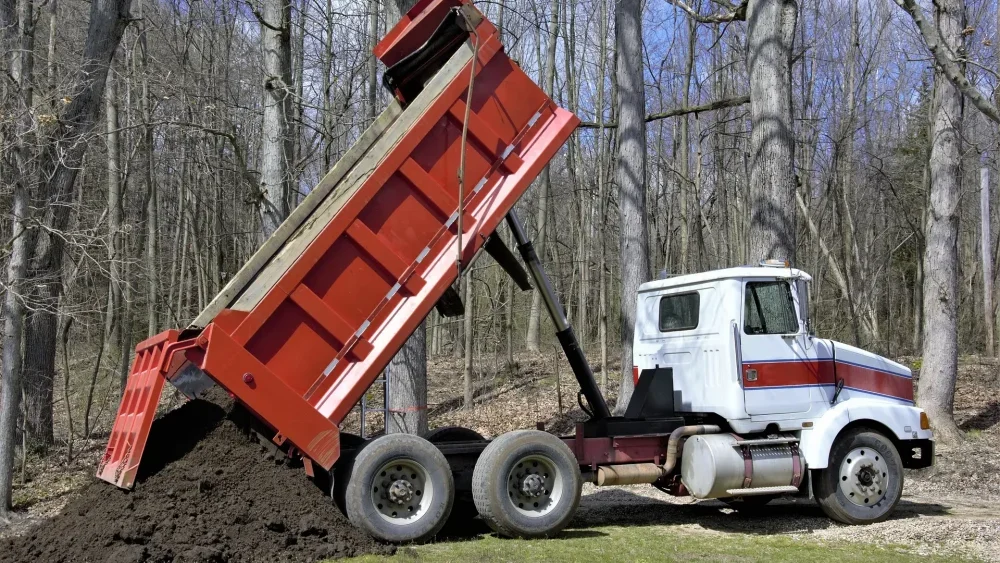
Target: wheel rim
[(534, 485), (864, 476), (402, 491)]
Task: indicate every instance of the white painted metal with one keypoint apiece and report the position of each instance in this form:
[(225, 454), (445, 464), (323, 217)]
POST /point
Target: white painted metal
[(708, 361)]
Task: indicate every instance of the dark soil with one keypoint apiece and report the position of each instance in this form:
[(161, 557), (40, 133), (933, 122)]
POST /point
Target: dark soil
[(207, 491)]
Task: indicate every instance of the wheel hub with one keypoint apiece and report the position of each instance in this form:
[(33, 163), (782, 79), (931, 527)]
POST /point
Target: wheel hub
[(864, 476), (533, 485), (401, 491)]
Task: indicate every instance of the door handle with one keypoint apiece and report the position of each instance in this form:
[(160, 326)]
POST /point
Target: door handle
[(751, 374)]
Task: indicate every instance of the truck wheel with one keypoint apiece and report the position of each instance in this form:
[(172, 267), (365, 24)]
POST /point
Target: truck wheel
[(864, 480), (400, 489), (527, 484), (341, 472)]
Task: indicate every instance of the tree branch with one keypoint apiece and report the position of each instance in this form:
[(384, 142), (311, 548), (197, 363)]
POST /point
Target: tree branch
[(260, 19), (710, 106), (947, 61), (736, 13)]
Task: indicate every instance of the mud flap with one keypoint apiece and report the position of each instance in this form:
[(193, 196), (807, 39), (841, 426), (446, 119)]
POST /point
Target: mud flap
[(120, 461)]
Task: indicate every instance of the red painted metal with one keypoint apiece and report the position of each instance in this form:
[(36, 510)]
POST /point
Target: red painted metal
[(305, 354), (120, 461), (608, 450)]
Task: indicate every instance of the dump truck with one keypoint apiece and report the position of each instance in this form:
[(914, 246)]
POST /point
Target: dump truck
[(735, 398)]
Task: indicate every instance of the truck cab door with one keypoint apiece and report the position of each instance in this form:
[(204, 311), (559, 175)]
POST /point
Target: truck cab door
[(781, 364)]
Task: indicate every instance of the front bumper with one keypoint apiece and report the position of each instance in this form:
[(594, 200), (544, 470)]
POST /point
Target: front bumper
[(917, 454)]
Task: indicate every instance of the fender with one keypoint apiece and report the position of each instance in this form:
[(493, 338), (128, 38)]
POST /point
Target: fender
[(902, 420)]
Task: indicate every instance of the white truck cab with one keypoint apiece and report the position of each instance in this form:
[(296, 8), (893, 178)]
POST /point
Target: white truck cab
[(740, 348)]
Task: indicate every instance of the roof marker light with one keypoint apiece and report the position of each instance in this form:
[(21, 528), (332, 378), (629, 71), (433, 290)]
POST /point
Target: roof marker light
[(774, 263)]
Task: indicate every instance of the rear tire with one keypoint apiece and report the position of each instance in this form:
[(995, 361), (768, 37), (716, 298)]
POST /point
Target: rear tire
[(400, 489), (527, 484), (864, 479)]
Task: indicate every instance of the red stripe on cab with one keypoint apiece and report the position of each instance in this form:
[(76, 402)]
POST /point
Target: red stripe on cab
[(821, 372)]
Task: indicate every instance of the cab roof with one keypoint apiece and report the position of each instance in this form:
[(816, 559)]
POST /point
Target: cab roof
[(739, 272)]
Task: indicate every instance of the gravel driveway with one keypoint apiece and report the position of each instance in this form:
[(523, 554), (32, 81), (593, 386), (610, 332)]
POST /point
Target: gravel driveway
[(960, 525)]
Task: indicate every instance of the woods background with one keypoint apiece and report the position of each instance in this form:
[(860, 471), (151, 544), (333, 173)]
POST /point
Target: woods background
[(133, 191)]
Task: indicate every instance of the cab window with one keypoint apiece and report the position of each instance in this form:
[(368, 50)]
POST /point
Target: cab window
[(679, 312), (768, 309)]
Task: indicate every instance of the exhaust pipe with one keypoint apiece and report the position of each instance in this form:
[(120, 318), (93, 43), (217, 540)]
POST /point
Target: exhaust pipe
[(628, 474), (640, 473)]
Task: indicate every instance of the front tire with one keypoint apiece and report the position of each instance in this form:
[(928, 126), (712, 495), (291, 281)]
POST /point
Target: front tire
[(400, 489), (527, 484), (864, 479)]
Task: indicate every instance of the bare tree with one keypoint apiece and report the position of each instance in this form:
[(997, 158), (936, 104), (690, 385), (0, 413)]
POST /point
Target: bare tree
[(12, 164), (770, 35), (986, 254), (59, 164), (275, 20), (408, 368), (940, 364), (631, 177), (545, 185)]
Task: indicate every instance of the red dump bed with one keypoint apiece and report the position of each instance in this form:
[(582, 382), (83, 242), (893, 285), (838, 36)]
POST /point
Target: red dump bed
[(302, 331)]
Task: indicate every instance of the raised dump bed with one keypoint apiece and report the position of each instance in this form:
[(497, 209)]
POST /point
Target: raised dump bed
[(302, 330)]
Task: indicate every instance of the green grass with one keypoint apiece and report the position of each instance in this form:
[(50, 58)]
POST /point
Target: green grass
[(655, 543)]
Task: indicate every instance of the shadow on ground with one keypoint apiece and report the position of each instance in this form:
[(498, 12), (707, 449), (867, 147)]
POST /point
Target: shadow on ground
[(985, 419), (621, 507), (783, 516)]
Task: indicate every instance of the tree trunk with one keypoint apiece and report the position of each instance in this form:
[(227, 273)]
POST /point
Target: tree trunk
[(10, 371), (631, 175), (602, 279), (408, 386), (113, 319), (545, 186), (276, 17), (60, 163), (38, 368), (684, 182), (770, 36), (12, 168), (987, 256), (152, 206), (371, 111), (940, 351), (408, 369)]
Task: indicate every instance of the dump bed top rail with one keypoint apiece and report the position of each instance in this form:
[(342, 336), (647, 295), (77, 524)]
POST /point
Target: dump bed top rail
[(310, 321)]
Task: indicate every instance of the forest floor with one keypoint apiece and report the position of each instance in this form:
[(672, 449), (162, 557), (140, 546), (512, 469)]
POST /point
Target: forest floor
[(948, 510)]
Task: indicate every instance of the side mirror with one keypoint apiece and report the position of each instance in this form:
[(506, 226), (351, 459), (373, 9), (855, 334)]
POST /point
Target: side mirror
[(802, 288)]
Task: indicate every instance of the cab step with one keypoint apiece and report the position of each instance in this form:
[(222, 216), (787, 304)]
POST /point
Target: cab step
[(751, 492), (767, 442)]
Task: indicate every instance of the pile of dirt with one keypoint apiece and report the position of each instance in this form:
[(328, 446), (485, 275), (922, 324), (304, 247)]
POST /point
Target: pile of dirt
[(207, 491)]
